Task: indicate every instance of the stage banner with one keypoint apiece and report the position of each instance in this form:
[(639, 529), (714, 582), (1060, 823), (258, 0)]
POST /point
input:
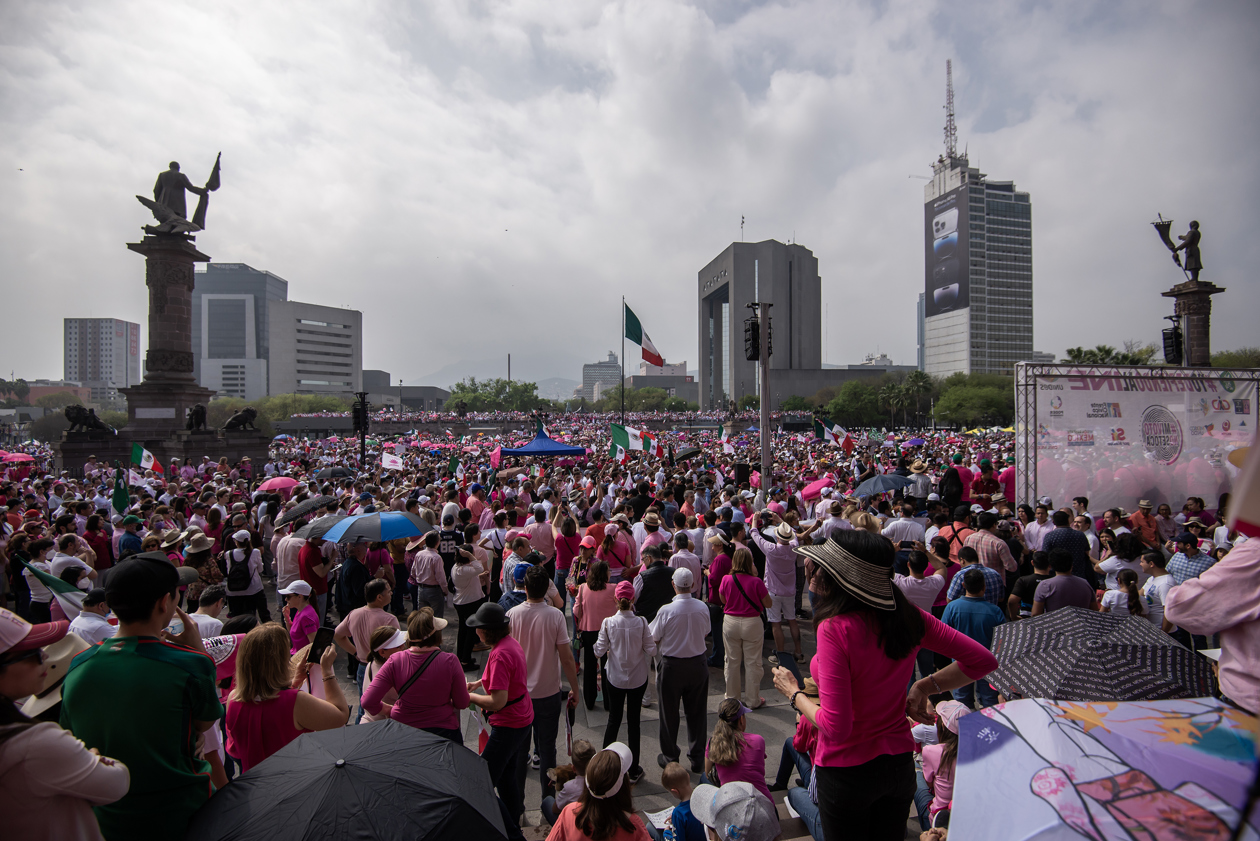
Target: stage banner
[(1117, 435)]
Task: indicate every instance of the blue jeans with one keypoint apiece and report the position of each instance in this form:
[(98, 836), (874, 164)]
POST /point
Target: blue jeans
[(358, 678), (792, 758), (808, 810), (550, 812), (922, 800), (546, 726), (504, 749), (966, 696)]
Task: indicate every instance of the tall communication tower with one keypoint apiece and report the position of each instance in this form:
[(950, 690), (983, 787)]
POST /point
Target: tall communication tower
[(951, 131)]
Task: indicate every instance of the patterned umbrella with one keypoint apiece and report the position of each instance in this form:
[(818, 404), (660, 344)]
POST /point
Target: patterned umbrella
[(1074, 654)]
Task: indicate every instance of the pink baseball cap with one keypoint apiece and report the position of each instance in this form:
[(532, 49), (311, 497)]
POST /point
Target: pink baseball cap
[(949, 712), (589, 542), (18, 635), (625, 590)]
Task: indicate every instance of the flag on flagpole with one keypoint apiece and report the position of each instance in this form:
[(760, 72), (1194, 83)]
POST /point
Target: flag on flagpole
[(617, 452), (144, 458), (68, 596), (636, 334), (391, 462), (120, 500), (832, 433), (627, 437)]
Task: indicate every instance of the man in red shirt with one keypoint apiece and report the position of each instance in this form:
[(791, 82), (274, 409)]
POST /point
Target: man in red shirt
[(313, 565), (958, 531)]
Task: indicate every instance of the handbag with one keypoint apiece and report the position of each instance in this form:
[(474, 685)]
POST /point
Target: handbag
[(761, 611)]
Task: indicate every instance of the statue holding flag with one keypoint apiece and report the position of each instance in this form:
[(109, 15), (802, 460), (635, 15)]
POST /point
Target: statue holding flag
[(169, 207), (1189, 244)]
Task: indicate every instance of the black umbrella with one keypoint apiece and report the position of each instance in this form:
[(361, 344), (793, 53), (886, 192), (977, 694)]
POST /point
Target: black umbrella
[(318, 528), (373, 782), (303, 508), (334, 473), (686, 453), (1074, 654), (883, 483)]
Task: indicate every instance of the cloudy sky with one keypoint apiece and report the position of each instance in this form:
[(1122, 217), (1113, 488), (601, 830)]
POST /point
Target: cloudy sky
[(485, 178)]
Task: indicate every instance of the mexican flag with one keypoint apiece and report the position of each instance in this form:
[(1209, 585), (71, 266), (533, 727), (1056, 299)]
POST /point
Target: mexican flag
[(144, 458), (456, 467), (627, 438), (635, 333), (121, 500), (391, 462), (542, 430), (617, 452), (725, 434), (651, 445), (830, 432), (68, 596)]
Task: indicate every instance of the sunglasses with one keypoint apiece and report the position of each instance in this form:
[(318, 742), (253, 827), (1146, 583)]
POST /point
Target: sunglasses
[(34, 652)]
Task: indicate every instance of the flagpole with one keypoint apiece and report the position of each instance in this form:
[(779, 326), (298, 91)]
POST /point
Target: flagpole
[(623, 360)]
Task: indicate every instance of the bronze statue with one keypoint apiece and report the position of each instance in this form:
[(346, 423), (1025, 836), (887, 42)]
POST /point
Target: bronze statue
[(85, 419), (196, 418), (244, 419), (1189, 244), (169, 207)]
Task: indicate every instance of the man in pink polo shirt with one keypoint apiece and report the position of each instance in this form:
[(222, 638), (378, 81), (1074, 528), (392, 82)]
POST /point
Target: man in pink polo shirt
[(354, 634)]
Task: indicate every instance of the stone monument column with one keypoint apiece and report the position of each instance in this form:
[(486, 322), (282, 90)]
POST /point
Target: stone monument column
[(161, 403), (1193, 305)]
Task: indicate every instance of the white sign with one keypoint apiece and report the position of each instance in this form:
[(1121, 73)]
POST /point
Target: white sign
[(1117, 437), (152, 414)]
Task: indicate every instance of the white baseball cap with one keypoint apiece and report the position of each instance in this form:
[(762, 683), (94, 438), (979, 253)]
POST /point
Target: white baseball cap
[(736, 812), (683, 577), (297, 588)]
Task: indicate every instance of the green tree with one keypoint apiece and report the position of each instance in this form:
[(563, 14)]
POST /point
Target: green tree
[(1134, 353), (893, 397), (19, 389), (58, 400), (749, 401), (917, 385), (969, 405), (855, 406), (49, 427), (498, 395), (115, 419), (796, 403), (1247, 357)]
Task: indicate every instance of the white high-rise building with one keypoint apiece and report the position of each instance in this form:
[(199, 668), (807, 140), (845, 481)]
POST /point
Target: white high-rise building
[(104, 355), (977, 314)]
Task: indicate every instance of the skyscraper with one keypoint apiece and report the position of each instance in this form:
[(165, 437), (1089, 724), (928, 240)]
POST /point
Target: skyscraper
[(230, 338), (978, 303), (104, 355)]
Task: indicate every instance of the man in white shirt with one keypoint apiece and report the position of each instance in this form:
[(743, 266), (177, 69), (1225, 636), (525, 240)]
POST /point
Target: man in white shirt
[(209, 606), (684, 557), (543, 634), (835, 522), (679, 630), (1036, 531), (905, 527), (91, 625)]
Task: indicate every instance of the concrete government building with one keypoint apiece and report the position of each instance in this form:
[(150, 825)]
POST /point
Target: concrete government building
[(785, 276)]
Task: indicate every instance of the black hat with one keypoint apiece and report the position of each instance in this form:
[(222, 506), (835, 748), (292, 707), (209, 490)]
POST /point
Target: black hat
[(94, 597), (490, 615), (144, 578)]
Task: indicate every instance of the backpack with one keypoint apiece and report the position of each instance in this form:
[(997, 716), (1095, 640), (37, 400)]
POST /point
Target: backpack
[(238, 576)]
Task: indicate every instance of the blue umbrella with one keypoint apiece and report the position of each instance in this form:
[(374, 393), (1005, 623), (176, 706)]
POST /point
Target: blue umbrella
[(282, 437), (914, 442), (378, 527), (881, 484)]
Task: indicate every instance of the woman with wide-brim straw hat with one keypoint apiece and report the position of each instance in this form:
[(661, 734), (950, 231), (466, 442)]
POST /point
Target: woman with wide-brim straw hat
[(868, 634)]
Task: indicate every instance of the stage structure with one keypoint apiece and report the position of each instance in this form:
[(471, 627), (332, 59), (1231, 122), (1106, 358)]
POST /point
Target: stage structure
[(1117, 434)]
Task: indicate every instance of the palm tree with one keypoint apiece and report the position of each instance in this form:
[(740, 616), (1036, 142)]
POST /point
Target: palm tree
[(915, 385), (892, 396)]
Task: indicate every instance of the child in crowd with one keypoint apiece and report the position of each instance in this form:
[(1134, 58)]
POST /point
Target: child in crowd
[(683, 825), (733, 754), (571, 790), (798, 749), (936, 781)]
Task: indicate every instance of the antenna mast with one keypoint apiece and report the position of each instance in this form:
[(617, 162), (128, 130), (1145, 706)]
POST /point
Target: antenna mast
[(951, 131)]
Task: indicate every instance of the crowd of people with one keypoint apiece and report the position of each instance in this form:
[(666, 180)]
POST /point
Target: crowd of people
[(617, 581)]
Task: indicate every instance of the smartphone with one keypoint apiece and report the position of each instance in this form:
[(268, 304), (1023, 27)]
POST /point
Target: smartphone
[(323, 639), (176, 627), (788, 661), (907, 544)]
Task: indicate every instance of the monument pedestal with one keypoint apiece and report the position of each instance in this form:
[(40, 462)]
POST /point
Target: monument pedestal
[(157, 409), (1193, 304)]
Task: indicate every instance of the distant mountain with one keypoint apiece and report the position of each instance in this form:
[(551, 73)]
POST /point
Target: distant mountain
[(557, 388)]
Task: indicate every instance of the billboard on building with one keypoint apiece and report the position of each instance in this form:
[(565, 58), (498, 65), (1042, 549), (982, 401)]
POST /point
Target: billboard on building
[(1120, 434), (945, 246)]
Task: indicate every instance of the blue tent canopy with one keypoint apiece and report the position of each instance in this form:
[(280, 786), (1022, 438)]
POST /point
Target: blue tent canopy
[(542, 445)]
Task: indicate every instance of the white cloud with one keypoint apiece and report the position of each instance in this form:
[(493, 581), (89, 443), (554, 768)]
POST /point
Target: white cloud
[(486, 178)]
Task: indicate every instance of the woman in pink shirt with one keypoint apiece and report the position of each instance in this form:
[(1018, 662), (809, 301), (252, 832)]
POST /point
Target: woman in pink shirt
[(743, 597), (266, 710), (936, 791), (734, 754), (429, 681), (868, 635), (615, 552), (595, 602)]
